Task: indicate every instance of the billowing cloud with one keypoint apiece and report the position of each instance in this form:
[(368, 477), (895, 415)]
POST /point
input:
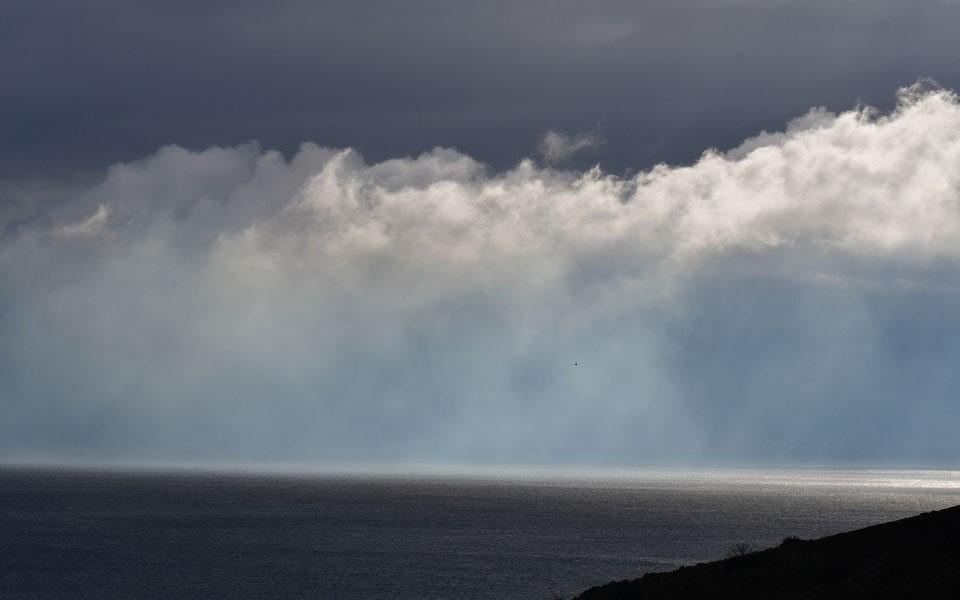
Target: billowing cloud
[(791, 300), (556, 147)]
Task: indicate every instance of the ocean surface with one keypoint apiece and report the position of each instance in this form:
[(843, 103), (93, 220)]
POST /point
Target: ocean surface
[(482, 534)]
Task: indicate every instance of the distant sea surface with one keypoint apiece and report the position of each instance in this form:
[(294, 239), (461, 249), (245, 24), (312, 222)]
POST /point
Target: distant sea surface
[(528, 534)]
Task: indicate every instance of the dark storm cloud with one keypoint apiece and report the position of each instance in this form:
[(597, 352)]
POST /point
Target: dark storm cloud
[(87, 84), (792, 300)]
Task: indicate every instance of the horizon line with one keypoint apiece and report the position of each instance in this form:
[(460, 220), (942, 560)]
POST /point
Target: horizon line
[(402, 469)]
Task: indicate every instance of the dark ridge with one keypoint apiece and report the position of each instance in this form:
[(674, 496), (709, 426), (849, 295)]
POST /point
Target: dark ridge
[(917, 557)]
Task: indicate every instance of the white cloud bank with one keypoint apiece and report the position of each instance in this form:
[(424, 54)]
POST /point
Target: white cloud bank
[(793, 299)]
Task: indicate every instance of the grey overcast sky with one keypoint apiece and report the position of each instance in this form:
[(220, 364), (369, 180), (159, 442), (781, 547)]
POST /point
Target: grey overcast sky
[(87, 84), (371, 231)]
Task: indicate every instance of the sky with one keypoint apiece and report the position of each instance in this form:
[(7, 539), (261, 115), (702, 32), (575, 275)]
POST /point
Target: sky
[(612, 234)]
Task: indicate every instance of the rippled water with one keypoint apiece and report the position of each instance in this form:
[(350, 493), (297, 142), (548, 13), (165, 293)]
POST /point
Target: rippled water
[(486, 534)]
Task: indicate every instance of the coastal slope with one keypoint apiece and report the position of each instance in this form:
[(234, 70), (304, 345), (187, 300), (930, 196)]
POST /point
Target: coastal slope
[(917, 557)]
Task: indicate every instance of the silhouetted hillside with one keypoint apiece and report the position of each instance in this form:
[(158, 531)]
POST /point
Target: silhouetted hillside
[(918, 557)]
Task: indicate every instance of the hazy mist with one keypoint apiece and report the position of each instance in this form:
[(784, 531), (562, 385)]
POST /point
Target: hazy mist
[(793, 299)]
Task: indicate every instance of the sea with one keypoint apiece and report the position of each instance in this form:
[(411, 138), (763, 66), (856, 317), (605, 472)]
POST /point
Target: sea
[(122, 533)]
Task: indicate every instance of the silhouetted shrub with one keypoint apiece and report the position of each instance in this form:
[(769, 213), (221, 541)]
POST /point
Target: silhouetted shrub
[(790, 539), (740, 549)]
